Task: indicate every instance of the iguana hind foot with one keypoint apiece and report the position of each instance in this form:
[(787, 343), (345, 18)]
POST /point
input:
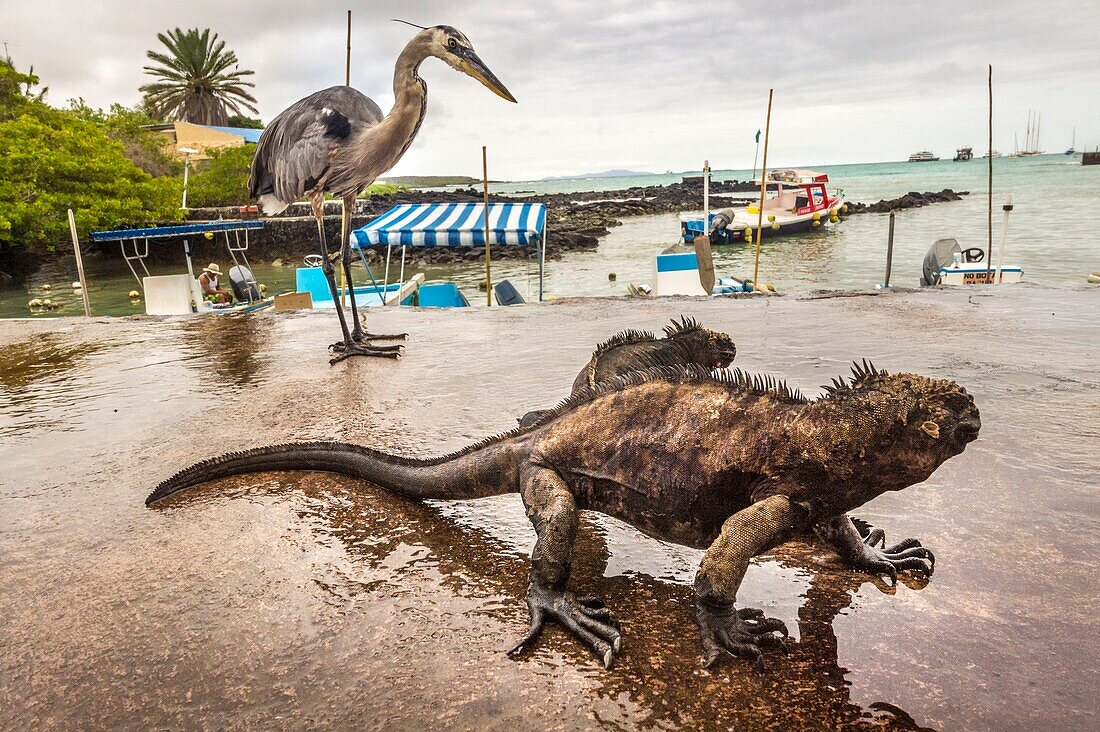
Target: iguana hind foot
[(586, 618), (742, 632)]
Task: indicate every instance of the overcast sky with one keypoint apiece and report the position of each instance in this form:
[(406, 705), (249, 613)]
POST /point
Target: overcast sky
[(640, 84)]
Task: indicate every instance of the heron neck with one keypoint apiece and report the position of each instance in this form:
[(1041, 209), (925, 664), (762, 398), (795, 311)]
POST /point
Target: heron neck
[(410, 102)]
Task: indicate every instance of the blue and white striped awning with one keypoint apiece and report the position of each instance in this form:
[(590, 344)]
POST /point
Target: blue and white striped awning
[(454, 225)]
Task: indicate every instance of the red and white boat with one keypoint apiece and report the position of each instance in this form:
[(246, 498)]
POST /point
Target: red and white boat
[(795, 200)]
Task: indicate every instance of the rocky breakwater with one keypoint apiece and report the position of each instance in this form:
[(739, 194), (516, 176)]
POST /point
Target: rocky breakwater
[(577, 221), (912, 199)]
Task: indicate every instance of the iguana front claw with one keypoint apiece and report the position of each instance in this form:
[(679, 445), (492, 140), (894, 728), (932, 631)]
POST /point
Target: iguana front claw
[(741, 632), (586, 618), (907, 554)]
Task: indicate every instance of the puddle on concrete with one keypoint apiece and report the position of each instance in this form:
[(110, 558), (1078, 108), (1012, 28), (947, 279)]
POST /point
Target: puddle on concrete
[(308, 600)]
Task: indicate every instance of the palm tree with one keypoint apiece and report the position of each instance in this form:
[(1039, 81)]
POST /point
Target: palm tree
[(194, 81)]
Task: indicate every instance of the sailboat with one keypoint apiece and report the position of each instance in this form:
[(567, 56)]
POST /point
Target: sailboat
[(1031, 142), (1073, 144)]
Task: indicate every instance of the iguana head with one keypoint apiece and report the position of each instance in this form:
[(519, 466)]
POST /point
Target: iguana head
[(705, 347), (896, 429)]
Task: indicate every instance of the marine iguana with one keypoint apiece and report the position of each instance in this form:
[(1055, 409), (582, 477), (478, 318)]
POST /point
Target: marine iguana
[(685, 342), (720, 460)]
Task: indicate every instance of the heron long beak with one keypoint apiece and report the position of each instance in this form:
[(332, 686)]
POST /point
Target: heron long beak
[(476, 68)]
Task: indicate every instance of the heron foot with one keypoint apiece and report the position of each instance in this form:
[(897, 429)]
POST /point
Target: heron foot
[(742, 633), (584, 617), (347, 350), (384, 337)]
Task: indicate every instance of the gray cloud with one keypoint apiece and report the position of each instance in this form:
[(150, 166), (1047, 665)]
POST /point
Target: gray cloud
[(656, 85)]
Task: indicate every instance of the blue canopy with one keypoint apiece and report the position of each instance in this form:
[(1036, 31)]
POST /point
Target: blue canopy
[(163, 232), (454, 225)]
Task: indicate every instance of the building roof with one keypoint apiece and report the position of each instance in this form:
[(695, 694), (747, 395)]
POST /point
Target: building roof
[(249, 134)]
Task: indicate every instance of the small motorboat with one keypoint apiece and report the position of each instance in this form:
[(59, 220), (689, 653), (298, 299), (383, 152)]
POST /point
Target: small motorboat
[(924, 156), (796, 200), (947, 263)]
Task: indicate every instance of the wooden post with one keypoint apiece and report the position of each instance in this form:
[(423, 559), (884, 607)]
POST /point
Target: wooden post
[(347, 58), (989, 211), (889, 251), (703, 256), (488, 245), (79, 266), (763, 188)]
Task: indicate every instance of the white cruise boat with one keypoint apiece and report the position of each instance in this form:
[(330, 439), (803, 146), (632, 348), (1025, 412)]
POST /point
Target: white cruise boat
[(923, 156)]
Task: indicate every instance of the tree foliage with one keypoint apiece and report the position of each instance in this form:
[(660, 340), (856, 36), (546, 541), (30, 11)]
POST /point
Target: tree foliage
[(199, 81), (240, 120), (54, 159), (223, 179)]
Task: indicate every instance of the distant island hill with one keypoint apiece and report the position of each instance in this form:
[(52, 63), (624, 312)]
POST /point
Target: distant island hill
[(439, 181)]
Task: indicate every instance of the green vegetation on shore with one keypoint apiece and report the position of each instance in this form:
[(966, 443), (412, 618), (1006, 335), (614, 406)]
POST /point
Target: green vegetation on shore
[(101, 165)]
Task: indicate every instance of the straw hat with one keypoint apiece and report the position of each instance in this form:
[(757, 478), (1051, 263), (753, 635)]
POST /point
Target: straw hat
[(212, 268)]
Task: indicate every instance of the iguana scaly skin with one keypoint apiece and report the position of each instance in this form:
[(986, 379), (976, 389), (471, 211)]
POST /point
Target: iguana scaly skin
[(685, 343), (719, 460)]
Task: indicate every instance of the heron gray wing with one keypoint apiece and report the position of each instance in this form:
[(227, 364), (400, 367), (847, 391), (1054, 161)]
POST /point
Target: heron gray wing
[(296, 149)]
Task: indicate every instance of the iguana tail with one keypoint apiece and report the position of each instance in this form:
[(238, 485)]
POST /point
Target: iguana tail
[(485, 469)]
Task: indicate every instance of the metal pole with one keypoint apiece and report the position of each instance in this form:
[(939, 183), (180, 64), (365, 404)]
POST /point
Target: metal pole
[(186, 167), (1004, 234), (756, 154), (706, 197), (763, 185), (488, 245), (347, 58), (542, 258), (889, 251), (989, 212), (80, 266)]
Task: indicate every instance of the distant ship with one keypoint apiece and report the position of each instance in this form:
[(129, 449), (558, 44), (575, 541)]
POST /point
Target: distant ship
[(995, 154), (922, 157), (1073, 144), (1031, 140), (963, 154)]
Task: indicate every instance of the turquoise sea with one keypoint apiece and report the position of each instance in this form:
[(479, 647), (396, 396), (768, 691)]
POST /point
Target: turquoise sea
[(1050, 234)]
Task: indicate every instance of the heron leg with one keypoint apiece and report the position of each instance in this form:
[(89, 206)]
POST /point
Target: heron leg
[(357, 333), (329, 270)]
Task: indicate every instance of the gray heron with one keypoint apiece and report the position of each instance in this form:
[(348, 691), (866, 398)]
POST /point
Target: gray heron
[(337, 141)]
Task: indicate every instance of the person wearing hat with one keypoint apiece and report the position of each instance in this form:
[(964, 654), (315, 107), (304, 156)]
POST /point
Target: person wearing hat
[(208, 280)]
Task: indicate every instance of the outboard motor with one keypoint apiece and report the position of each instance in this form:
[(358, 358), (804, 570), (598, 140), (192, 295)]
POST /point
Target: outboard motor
[(244, 284), (720, 219), (941, 254), (507, 294)]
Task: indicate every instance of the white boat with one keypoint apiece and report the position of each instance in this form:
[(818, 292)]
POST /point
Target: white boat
[(796, 200), (966, 267), (676, 272), (181, 294), (924, 156)]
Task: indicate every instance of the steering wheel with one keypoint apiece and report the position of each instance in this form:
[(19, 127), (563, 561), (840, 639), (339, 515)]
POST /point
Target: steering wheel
[(973, 254), (313, 260)]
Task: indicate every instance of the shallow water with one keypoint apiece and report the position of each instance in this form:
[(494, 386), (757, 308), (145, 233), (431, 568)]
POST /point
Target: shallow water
[(306, 600), (1050, 234)]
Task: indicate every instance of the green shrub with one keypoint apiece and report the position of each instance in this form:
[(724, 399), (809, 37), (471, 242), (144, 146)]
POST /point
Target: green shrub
[(53, 159), (222, 180)]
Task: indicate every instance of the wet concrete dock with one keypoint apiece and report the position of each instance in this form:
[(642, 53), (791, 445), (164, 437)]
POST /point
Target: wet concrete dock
[(291, 601)]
